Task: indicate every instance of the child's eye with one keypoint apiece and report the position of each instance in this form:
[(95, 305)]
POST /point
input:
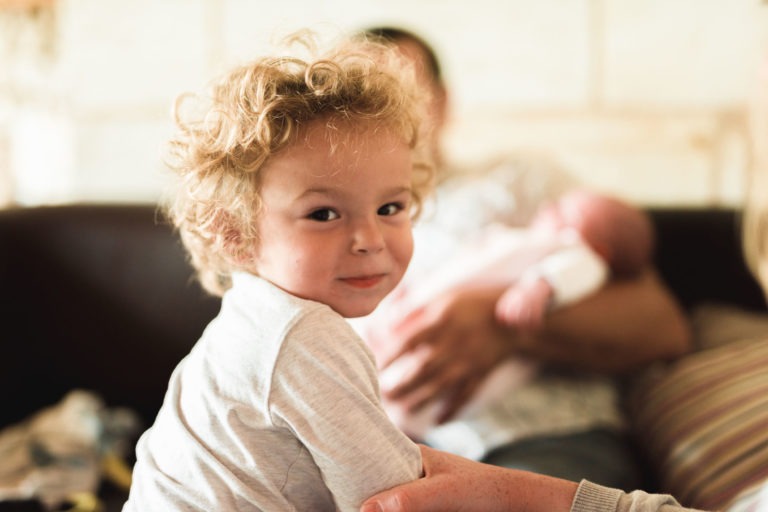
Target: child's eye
[(390, 209), (323, 215)]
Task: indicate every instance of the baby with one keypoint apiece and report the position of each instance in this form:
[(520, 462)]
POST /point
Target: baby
[(594, 236), (569, 251), (297, 188)]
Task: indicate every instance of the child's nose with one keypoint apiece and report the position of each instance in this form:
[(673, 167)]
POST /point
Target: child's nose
[(367, 237)]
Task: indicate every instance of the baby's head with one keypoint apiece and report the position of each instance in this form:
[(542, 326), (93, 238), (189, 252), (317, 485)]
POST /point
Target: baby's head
[(620, 233), (344, 121)]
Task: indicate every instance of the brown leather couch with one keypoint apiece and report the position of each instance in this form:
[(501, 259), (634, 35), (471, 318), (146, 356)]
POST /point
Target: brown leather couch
[(100, 297)]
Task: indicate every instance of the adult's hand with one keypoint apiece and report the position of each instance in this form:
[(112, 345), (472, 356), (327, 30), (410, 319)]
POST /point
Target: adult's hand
[(453, 484), (450, 344)]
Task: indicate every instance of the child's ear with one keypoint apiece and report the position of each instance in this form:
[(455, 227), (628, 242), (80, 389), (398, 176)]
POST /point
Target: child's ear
[(230, 238)]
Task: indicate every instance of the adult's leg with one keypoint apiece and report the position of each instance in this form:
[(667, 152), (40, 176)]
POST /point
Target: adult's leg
[(601, 456)]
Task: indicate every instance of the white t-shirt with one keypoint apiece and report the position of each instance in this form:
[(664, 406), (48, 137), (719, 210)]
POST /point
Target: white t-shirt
[(275, 408)]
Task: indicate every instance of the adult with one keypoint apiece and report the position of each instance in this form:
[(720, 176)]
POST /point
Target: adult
[(566, 421), (454, 484)]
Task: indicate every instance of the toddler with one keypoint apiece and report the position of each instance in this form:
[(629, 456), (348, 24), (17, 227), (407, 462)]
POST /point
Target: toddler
[(566, 253), (297, 188)]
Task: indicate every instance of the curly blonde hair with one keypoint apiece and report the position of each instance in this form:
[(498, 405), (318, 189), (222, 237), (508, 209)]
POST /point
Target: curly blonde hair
[(258, 109)]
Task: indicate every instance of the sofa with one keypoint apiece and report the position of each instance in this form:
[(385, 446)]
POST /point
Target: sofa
[(100, 297)]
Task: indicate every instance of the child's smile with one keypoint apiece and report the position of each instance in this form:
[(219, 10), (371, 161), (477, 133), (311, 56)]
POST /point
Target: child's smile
[(364, 281)]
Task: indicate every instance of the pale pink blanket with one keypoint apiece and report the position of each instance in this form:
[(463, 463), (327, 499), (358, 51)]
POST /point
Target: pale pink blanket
[(503, 255)]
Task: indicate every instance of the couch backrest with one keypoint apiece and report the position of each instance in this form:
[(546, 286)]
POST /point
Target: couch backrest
[(95, 296), (699, 254), (101, 297)]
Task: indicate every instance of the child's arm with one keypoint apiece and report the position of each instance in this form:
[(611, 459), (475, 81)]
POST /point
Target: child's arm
[(325, 390)]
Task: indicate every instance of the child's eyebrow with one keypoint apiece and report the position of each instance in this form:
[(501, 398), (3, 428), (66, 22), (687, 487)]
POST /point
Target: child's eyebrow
[(322, 191), (399, 190), (394, 192), (333, 191)]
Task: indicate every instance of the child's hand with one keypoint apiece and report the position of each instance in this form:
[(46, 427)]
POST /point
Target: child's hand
[(524, 304)]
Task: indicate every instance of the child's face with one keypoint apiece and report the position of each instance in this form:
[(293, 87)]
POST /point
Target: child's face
[(336, 228)]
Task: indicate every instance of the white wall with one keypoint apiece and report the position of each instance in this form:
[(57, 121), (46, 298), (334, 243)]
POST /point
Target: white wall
[(643, 98)]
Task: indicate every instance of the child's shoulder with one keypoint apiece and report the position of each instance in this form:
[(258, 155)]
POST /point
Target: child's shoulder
[(258, 321), (263, 295), (263, 302), (263, 330)]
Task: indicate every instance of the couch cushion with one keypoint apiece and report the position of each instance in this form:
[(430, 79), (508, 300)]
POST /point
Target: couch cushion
[(703, 420)]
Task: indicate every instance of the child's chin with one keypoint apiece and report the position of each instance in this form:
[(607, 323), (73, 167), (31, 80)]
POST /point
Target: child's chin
[(356, 311)]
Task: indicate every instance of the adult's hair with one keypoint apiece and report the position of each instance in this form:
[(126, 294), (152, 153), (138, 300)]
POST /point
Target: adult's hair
[(395, 35), (254, 111)]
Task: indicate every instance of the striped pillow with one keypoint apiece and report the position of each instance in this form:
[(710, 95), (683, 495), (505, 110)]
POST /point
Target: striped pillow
[(704, 423)]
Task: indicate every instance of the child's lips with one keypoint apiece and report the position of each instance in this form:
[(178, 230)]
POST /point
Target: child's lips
[(364, 281)]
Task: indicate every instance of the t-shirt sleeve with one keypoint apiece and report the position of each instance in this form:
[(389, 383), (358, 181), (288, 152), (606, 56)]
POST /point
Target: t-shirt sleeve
[(325, 389), (591, 497)]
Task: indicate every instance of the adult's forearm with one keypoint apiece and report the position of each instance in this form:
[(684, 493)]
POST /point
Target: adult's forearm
[(624, 326), (453, 483)]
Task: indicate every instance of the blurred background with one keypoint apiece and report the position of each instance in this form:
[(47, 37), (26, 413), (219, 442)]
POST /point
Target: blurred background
[(646, 99)]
